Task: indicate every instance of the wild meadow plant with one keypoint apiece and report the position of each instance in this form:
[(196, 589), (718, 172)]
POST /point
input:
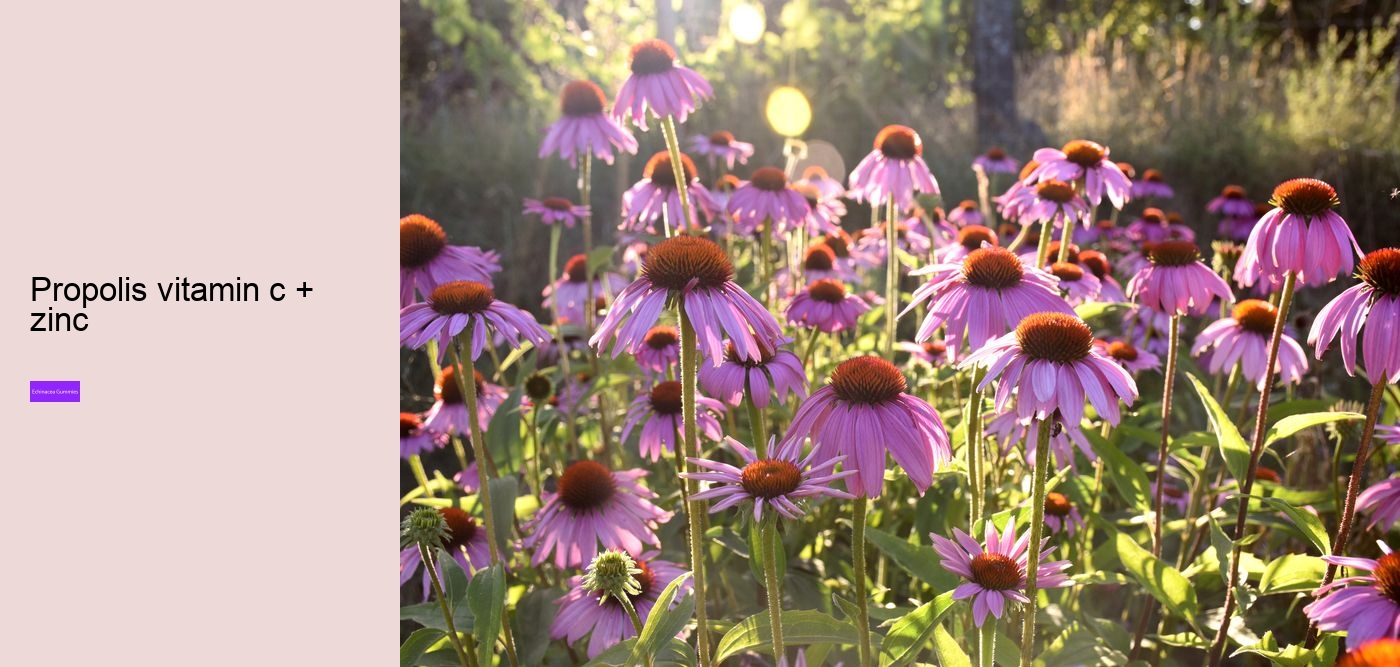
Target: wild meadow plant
[(757, 429)]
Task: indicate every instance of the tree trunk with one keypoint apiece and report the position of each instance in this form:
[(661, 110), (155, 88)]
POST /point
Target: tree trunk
[(994, 71)]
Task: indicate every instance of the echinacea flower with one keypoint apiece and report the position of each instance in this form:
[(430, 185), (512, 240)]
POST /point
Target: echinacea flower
[(1013, 431), (781, 481), (971, 237), (997, 572), (1176, 282), (660, 85), (983, 296), (966, 213), (1061, 515), (660, 349), (593, 505), (995, 161), (1382, 501), (863, 413), (830, 188), (571, 290), (413, 438), (456, 306), (1368, 313), (767, 200), (555, 210), (465, 543), (1017, 195), (1097, 263), (824, 213), (698, 276), (1055, 202), (426, 261), (722, 145), (1366, 606), (1232, 203), (819, 262), (1301, 234), (1243, 338), (584, 613), (1079, 286), (909, 237), (1131, 358), (583, 127), (1087, 160), (1375, 653), (448, 415), (1051, 358), (932, 352), (825, 305), (778, 372), (894, 170), (658, 413), (1151, 185), (1155, 226), (1388, 433), (655, 198)]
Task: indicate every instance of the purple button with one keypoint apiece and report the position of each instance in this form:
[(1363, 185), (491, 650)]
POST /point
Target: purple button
[(55, 391)]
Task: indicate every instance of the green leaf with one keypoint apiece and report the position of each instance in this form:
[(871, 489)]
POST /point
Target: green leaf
[(486, 596), (502, 435), (1295, 655), (504, 491), (847, 607), (1223, 548), (1185, 640), (1288, 426), (674, 652), (533, 615), (1161, 580), (799, 627), (1292, 573), (1128, 477), (1092, 309), (417, 644), (911, 632), (949, 653), (916, 560), (755, 546), (1233, 448), (1307, 522), (665, 621)]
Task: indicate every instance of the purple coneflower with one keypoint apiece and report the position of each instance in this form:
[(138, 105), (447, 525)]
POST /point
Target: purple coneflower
[(830, 188), (465, 543), (583, 127), (1011, 431), (722, 145), (697, 274), (970, 237), (1051, 357), (996, 572), (720, 193), (825, 213), (659, 84), (1079, 286), (995, 161), (1061, 514), (766, 198), (1054, 202), (658, 412), (1373, 304), (656, 199), (1301, 234), (1012, 202), (1097, 263), (413, 438), (932, 352), (584, 613), (894, 170), (1382, 501), (779, 372), (594, 505), (1089, 161), (1232, 203), (1375, 653), (909, 237), (983, 296), (966, 213), (553, 210), (1128, 356), (864, 412), (426, 261), (1151, 185), (1177, 282), (780, 481), (572, 289), (818, 262), (825, 305), (1155, 226), (1389, 434), (453, 307), (448, 415), (1367, 611), (1243, 338), (660, 349)]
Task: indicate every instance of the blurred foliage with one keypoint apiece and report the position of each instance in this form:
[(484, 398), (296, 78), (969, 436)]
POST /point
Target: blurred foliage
[(1209, 91)]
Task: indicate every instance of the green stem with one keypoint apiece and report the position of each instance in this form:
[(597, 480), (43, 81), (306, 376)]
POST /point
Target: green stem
[(891, 278), (555, 231), (1358, 473), (1042, 251), (1042, 462), (428, 562), (1173, 341), (689, 443), (1217, 649), (975, 457), (1066, 237), (673, 147), (861, 504), (631, 610), (773, 583), (585, 192), (415, 462), (987, 643), (468, 388)]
